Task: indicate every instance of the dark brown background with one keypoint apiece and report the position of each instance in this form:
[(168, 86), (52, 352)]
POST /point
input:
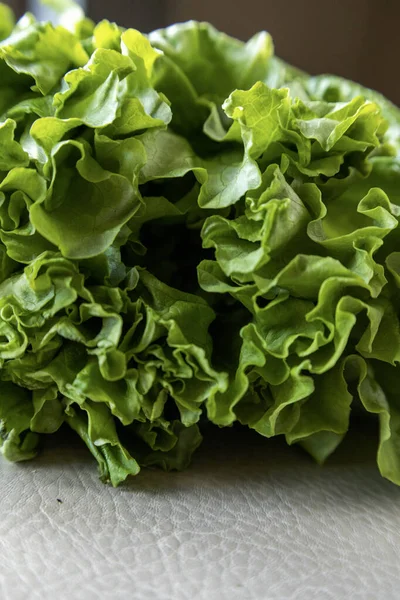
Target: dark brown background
[(357, 39)]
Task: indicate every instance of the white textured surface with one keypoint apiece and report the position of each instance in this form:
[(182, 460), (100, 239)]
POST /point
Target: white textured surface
[(251, 520)]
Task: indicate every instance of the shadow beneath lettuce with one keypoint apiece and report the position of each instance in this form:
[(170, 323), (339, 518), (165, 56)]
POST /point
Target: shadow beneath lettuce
[(236, 458)]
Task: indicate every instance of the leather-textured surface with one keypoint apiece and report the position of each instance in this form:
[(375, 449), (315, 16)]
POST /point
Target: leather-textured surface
[(250, 520)]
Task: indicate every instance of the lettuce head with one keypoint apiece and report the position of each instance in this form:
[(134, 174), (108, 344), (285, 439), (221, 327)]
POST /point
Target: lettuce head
[(191, 231)]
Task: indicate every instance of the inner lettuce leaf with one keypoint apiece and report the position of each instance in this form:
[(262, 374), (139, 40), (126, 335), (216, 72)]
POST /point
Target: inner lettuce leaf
[(192, 231)]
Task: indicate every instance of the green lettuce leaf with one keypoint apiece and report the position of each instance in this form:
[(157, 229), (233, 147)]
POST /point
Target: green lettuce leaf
[(43, 52), (7, 21)]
